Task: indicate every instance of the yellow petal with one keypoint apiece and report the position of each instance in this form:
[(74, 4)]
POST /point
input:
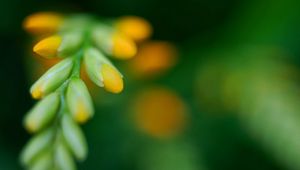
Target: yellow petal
[(134, 27), (48, 46), (43, 23), (123, 47), (112, 79)]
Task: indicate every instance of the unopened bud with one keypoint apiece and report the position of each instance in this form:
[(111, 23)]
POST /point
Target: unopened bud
[(70, 43), (112, 80), (74, 137), (52, 79), (44, 161), (63, 158), (102, 72), (93, 60), (79, 101), (42, 113), (36, 145), (114, 43), (48, 47), (122, 46)]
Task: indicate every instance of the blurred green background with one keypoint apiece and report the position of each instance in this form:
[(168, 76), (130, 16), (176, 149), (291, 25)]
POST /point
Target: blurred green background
[(237, 73)]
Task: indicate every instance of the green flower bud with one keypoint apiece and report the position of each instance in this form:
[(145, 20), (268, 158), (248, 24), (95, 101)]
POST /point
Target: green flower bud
[(36, 145), (52, 79), (93, 60), (43, 162), (74, 137), (79, 101), (70, 42), (102, 36), (113, 42), (42, 113), (63, 158)]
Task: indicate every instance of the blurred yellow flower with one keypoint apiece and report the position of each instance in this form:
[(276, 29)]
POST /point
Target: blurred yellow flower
[(43, 23), (134, 27), (159, 112), (153, 58)]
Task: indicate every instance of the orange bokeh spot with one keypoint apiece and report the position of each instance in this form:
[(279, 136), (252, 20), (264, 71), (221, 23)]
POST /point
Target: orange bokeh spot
[(153, 58), (159, 112)]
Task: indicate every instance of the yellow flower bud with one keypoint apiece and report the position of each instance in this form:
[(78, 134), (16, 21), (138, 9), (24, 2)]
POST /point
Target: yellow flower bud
[(122, 46), (53, 78), (48, 47), (43, 23), (42, 113), (114, 43), (134, 27), (79, 101), (102, 72), (112, 79)]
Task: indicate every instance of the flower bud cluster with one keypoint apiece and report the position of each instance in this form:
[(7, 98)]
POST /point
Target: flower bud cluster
[(64, 100)]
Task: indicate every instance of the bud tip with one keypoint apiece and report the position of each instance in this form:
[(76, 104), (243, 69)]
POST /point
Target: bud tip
[(81, 116), (36, 93), (112, 79), (123, 46), (48, 46)]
